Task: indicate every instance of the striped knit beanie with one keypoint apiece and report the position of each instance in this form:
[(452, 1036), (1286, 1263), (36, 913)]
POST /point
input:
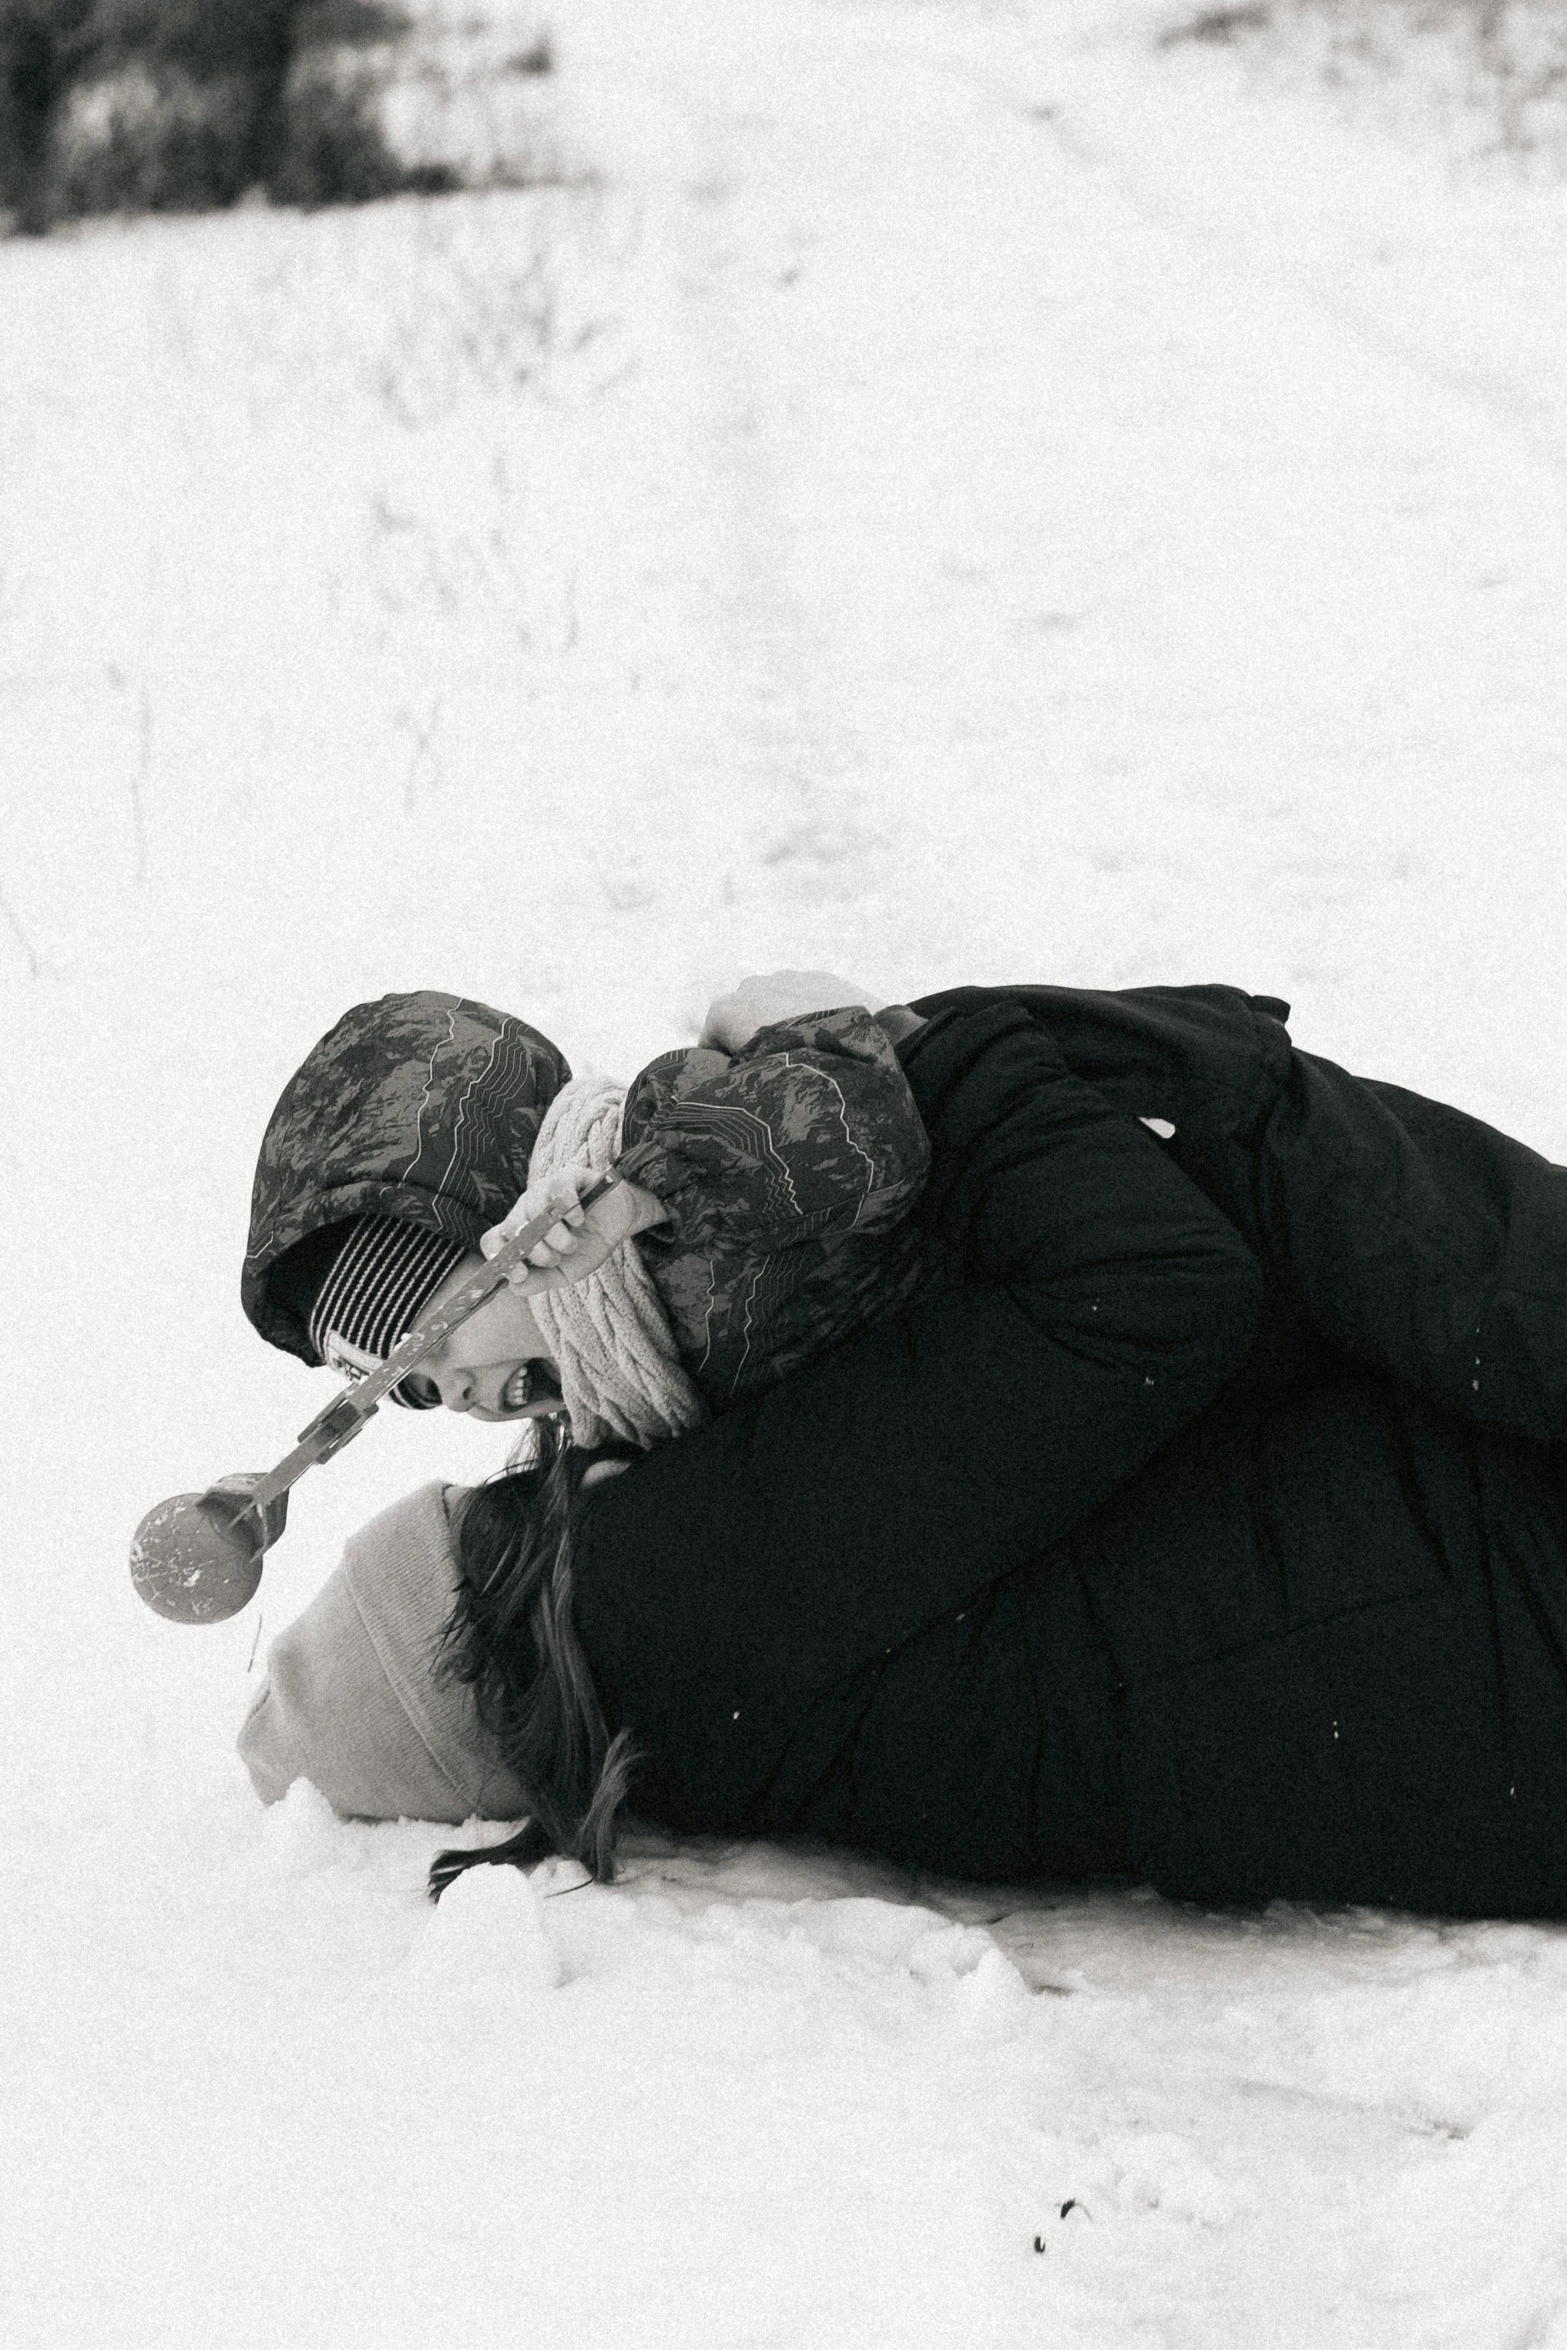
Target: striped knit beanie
[(373, 1291)]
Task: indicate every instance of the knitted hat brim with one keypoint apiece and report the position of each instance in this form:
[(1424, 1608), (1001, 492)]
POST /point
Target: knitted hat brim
[(378, 1283), (354, 1699)]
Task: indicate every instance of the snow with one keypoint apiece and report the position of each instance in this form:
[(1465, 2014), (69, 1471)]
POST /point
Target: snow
[(947, 491)]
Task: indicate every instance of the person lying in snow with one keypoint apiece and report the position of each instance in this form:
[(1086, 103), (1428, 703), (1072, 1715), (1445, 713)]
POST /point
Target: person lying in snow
[(1205, 1525)]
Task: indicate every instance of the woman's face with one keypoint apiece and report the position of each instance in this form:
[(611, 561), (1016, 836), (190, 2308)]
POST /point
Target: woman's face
[(493, 1366)]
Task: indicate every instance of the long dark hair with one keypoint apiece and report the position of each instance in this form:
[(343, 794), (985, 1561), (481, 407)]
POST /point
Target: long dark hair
[(512, 1638)]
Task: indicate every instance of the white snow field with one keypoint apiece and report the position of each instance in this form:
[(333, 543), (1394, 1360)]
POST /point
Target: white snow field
[(949, 492)]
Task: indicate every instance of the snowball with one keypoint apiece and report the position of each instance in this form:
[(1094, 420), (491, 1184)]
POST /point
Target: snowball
[(487, 1932)]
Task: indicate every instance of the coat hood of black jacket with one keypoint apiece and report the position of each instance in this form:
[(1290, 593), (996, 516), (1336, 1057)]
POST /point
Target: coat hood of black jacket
[(423, 1106)]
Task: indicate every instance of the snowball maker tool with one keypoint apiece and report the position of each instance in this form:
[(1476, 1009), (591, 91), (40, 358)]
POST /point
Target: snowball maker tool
[(196, 1557)]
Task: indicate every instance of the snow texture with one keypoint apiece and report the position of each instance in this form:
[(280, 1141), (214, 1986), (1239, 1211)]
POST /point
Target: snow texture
[(947, 492)]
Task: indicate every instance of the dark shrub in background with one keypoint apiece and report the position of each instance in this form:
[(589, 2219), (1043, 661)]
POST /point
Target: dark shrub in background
[(40, 42), (332, 152), (180, 105)]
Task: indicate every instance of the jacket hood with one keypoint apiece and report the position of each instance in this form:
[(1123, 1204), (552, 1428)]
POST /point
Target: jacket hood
[(422, 1106)]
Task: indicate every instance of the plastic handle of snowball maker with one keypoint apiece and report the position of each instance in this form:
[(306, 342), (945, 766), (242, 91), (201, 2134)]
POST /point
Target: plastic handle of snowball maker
[(347, 1413)]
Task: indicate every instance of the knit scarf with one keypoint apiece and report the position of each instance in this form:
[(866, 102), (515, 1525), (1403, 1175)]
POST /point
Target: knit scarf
[(620, 1372)]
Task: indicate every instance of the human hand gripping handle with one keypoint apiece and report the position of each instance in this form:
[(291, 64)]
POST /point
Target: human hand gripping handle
[(587, 1229)]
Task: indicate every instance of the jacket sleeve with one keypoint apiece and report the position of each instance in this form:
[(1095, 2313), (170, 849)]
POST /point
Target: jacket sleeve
[(1100, 1303), (810, 1129), (1423, 1242)]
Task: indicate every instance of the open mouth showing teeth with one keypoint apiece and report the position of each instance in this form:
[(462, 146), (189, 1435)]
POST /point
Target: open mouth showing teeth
[(529, 1383)]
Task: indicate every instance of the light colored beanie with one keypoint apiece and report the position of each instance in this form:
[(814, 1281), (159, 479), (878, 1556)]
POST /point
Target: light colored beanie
[(621, 1375), (352, 1700)]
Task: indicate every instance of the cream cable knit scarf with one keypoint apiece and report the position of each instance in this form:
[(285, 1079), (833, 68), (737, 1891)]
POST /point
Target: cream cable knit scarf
[(620, 1372)]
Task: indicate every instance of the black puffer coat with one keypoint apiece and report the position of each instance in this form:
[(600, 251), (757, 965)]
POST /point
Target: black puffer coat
[(1116, 1558), (1394, 1233)]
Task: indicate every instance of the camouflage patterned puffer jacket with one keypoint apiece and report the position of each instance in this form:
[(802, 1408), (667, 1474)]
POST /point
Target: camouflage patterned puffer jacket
[(786, 1169)]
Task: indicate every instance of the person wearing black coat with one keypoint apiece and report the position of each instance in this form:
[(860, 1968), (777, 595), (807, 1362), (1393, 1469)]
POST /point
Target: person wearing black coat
[(1080, 1570), (1207, 1530)]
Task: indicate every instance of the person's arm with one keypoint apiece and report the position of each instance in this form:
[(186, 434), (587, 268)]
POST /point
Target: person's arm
[(1103, 1302), (809, 1127), (803, 1126), (1423, 1242)]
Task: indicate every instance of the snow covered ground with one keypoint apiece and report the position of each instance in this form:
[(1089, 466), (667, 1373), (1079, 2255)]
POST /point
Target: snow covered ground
[(946, 491)]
